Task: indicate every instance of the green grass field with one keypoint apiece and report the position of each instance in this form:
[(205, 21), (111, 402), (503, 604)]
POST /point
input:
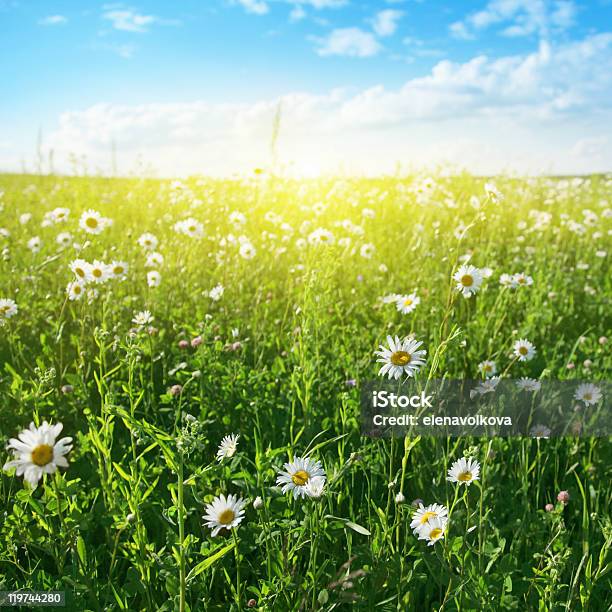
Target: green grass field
[(266, 309)]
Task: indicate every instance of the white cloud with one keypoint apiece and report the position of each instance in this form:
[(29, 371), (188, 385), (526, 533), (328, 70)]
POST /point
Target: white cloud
[(385, 22), (351, 42), (549, 110), (129, 21), (257, 7), (319, 4), (52, 20), (297, 13), (520, 17)]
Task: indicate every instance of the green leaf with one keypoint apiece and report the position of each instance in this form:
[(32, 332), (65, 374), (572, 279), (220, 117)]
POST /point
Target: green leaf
[(357, 528), (204, 565)]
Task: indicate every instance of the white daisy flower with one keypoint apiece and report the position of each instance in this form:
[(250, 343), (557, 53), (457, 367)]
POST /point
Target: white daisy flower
[(34, 244), (298, 474), (64, 239), (315, 487), (118, 269), (154, 260), (224, 513), (143, 318), (507, 280), (529, 384), (153, 278), (321, 236), (401, 357), (432, 531), (539, 431), (469, 279), (247, 250), (486, 386), (81, 269), (237, 219), (58, 215), (522, 280), (423, 514), (36, 452), (228, 447), (391, 298), (190, 227), (488, 368), (464, 471), (100, 272), (75, 290), (493, 193), (367, 250), (524, 350), (8, 308), (216, 293), (93, 222), (588, 393), (407, 303), (148, 241)]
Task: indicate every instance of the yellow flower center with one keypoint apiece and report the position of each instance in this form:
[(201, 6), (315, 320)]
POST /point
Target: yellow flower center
[(428, 515), (588, 396), (76, 289), (42, 455), (300, 478), (79, 272), (465, 476), (118, 270), (467, 280), (226, 517), (400, 358), (97, 272), (4, 309), (407, 302), (91, 222), (523, 350), (435, 533)]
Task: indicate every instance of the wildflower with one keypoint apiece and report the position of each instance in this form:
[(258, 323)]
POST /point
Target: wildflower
[(524, 350), (228, 447), (549, 507), (64, 239), (468, 280), (8, 309), (93, 222), (425, 513), (190, 227), (432, 531), (298, 474), (321, 236), (528, 384), (175, 390), (258, 503), (464, 471), (100, 272), (563, 497), (399, 498), (148, 241), (81, 269), (367, 250), (539, 431), (488, 368), (118, 269), (224, 513), (154, 260), (153, 278), (493, 193), (402, 357), (247, 250), (588, 393), (34, 244), (183, 344), (522, 280), (216, 293), (75, 290), (195, 342), (315, 487), (407, 303), (143, 318), (36, 452)]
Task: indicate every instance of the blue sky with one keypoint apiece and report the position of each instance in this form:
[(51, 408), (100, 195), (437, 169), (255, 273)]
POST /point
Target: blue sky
[(419, 79)]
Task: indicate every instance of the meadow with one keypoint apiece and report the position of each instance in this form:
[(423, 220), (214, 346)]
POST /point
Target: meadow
[(155, 318)]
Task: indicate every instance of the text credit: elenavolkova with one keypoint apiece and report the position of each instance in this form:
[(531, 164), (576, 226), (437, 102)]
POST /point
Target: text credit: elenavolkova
[(486, 408)]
